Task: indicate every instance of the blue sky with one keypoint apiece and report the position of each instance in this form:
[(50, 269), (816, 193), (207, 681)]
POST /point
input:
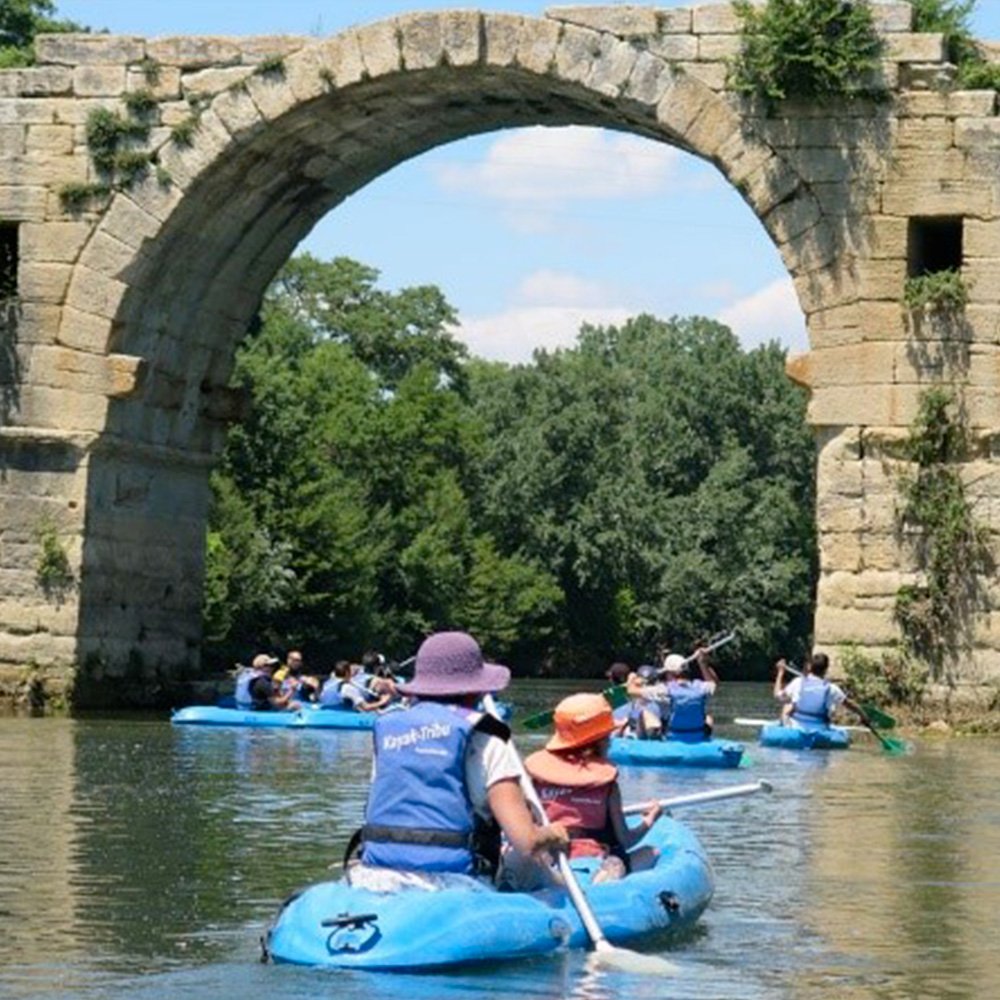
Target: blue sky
[(529, 232)]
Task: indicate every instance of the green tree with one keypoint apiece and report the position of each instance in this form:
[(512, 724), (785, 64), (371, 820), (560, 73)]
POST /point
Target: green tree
[(20, 22)]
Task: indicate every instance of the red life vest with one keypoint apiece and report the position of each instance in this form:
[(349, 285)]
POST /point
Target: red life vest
[(575, 791)]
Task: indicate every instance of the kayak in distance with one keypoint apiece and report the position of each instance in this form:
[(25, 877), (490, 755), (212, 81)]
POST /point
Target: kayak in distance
[(306, 717), (804, 737), (334, 925), (675, 753), (309, 716)]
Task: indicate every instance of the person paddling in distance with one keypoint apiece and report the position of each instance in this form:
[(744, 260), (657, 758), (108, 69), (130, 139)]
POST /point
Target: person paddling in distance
[(342, 690), (689, 718), (578, 787), (293, 682), (255, 687), (649, 703), (445, 780), (810, 700)]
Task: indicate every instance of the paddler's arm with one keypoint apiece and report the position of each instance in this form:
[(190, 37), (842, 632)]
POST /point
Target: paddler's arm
[(510, 810), (629, 836)]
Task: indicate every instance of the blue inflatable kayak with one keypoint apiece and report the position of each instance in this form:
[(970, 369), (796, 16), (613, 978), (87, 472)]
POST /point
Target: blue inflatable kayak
[(675, 753), (805, 738), (332, 924), (307, 717)]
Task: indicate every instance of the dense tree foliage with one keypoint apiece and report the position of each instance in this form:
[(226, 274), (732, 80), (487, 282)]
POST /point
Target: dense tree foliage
[(651, 484), (20, 22)]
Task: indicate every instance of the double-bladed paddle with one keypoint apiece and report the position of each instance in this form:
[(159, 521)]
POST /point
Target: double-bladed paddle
[(603, 950), (617, 694)]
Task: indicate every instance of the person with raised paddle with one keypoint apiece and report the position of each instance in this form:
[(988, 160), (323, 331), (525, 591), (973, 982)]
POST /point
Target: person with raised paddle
[(578, 787), (446, 781)]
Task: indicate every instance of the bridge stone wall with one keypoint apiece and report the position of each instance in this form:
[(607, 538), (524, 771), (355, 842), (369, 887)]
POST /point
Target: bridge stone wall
[(117, 348)]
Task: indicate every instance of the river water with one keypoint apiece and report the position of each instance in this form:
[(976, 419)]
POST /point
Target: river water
[(143, 860)]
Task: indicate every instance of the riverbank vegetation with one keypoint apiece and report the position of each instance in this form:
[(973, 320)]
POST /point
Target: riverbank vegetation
[(651, 484)]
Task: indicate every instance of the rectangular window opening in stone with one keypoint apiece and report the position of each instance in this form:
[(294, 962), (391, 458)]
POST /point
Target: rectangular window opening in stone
[(934, 245), (8, 260)]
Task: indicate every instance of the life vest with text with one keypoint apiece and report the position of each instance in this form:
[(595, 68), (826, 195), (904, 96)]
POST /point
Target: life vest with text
[(687, 709), (419, 815), (244, 681)]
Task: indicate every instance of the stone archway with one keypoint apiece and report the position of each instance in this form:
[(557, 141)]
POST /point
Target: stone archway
[(127, 397)]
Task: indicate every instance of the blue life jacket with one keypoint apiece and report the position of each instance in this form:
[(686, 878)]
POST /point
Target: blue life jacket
[(330, 695), (812, 707), (687, 710), (244, 680), (419, 815)]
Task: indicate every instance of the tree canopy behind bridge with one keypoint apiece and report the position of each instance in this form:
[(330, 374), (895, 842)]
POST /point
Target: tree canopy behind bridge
[(652, 484)]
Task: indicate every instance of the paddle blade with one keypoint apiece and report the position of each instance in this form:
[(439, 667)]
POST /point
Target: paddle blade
[(879, 718), (893, 747), (540, 721), (626, 960), (615, 696)]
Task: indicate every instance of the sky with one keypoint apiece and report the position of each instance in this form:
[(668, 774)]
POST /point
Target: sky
[(529, 232)]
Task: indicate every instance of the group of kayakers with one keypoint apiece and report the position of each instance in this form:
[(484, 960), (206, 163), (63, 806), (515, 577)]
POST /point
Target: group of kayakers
[(667, 701), (269, 684), (447, 799)]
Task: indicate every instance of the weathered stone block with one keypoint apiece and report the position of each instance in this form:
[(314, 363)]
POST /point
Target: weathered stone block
[(164, 84), (613, 67), (711, 74), (650, 79), (576, 53), (185, 163), (839, 551), (51, 140), (461, 31), (910, 48), (923, 198), (839, 625), (881, 406), (536, 48), (271, 94), (84, 331), (194, 52), (422, 46), (892, 16), (60, 408), (719, 48), (52, 242), (22, 203), (238, 114), (718, 19), (264, 48), (209, 82), (379, 47), (89, 49), (626, 21), (43, 282), (501, 37), (12, 140), (99, 81), (681, 47), (96, 293)]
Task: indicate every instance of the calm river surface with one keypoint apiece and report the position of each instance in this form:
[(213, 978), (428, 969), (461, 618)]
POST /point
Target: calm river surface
[(143, 860)]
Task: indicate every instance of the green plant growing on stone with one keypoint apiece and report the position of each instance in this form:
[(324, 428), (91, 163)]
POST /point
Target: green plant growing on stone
[(952, 548), (326, 75), (108, 133), (813, 49), (951, 19), (271, 66), (140, 103), (943, 292), (182, 134), (132, 165), (893, 678), (150, 70), (163, 176), (75, 198), (53, 572)]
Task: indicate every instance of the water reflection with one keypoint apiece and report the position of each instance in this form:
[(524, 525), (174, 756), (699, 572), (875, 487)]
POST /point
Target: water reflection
[(138, 859)]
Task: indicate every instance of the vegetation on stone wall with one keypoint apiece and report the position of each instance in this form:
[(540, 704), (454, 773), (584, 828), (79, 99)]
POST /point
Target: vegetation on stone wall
[(943, 292), (812, 49), (951, 546), (951, 18), (20, 22), (894, 678), (53, 572)]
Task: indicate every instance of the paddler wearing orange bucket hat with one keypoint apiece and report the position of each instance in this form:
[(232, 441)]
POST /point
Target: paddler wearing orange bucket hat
[(578, 787)]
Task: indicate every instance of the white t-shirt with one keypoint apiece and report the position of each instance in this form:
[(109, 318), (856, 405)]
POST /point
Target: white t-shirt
[(834, 697)]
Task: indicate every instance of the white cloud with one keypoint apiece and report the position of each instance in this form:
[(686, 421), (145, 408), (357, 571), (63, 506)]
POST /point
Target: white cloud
[(557, 165), (561, 288), (513, 335), (772, 313)]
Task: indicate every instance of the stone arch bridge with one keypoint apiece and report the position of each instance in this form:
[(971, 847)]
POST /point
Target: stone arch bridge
[(123, 308)]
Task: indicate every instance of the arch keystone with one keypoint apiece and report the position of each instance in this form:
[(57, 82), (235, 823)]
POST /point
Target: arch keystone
[(379, 47), (501, 38)]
